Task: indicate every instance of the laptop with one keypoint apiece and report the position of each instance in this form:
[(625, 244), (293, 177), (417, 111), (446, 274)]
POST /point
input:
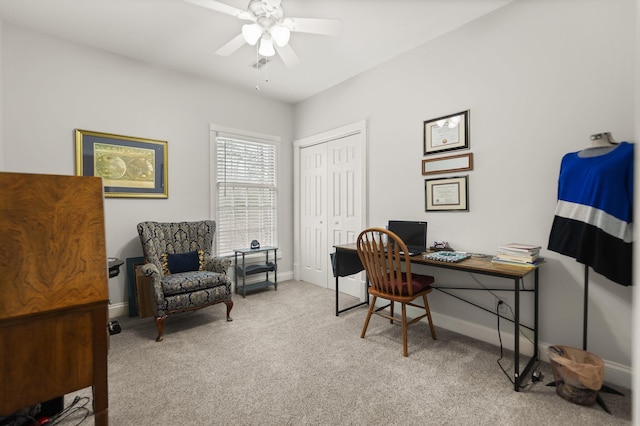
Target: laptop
[(412, 233)]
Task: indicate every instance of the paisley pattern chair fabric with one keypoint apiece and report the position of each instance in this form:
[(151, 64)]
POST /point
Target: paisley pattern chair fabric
[(185, 290)]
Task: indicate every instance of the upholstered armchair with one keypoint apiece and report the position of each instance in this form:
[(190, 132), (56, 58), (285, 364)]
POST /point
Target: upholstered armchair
[(184, 273)]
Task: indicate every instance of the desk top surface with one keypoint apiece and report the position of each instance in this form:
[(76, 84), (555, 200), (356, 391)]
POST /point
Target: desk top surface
[(481, 265)]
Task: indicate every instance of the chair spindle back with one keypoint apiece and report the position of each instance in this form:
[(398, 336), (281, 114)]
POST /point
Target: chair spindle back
[(384, 257)]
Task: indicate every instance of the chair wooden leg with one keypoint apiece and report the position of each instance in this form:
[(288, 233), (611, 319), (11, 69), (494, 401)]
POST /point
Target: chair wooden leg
[(426, 308), (372, 304), (391, 311), (160, 327), (404, 330), (229, 304)]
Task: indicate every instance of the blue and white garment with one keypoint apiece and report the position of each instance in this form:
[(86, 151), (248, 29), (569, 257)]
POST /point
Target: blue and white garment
[(594, 214)]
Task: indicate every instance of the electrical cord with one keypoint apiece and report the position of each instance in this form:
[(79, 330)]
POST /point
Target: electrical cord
[(502, 353), (501, 302), (77, 406), (521, 328), (18, 419), (26, 418)]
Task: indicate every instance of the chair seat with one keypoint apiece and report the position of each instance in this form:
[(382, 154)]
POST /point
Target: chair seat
[(187, 282), (419, 284)]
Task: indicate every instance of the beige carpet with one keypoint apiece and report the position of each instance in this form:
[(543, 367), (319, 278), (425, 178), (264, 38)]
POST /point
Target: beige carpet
[(286, 359)]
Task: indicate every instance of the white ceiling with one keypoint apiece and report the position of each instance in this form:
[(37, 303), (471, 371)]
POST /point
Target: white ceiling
[(181, 36)]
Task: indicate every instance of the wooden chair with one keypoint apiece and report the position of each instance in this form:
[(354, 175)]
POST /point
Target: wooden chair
[(387, 264)]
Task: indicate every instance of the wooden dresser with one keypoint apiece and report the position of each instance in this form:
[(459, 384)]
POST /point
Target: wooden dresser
[(53, 290)]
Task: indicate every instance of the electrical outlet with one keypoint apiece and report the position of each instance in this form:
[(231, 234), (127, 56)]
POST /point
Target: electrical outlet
[(501, 303)]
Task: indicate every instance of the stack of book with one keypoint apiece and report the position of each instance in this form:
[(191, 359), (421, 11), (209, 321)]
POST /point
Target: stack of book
[(518, 254)]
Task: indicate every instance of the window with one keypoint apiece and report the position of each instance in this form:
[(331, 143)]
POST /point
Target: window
[(246, 193)]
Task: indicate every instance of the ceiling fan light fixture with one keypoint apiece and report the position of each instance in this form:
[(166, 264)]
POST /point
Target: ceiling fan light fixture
[(280, 35), (266, 47), (251, 33), (268, 29)]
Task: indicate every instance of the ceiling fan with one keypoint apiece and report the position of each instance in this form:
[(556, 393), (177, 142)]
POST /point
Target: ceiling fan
[(269, 26)]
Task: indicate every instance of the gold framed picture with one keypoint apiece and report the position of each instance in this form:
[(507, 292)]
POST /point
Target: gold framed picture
[(447, 194), (446, 133), (130, 167)]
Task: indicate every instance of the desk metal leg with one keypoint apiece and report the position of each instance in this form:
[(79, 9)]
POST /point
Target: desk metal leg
[(519, 377), (516, 354), (366, 302), (337, 275), (535, 315), (337, 309)]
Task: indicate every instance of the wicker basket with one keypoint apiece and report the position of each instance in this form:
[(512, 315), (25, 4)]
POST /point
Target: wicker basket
[(578, 374)]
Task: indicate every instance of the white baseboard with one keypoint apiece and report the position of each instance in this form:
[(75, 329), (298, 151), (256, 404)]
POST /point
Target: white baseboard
[(615, 373), (285, 276), (486, 334), (122, 309), (118, 310)]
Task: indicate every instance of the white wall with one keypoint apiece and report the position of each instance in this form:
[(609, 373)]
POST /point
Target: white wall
[(539, 77), (52, 87)]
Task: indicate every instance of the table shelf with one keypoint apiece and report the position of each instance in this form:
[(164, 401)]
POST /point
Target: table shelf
[(255, 269), (242, 270)]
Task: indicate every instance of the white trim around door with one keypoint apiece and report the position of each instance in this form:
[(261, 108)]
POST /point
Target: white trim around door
[(331, 137)]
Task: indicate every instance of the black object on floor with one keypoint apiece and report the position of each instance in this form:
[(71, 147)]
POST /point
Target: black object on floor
[(114, 328)]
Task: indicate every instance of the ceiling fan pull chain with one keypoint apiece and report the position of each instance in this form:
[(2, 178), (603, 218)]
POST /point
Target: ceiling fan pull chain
[(257, 69)]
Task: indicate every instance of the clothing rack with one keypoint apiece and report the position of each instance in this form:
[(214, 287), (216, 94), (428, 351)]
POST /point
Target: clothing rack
[(585, 322)]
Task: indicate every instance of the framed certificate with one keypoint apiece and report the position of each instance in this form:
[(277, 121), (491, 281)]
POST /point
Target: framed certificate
[(447, 194), (446, 133)]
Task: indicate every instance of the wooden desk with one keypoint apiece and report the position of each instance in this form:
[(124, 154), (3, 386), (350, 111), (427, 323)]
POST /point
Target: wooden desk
[(475, 265), (53, 290)]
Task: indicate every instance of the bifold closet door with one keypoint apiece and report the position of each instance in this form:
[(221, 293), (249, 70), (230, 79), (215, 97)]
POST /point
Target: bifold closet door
[(344, 202), (313, 214), (331, 210)]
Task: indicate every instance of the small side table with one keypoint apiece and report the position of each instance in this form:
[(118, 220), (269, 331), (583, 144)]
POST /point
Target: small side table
[(242, 270)]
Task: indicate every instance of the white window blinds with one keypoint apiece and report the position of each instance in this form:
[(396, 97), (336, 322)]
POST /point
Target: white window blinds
[(246, 194)]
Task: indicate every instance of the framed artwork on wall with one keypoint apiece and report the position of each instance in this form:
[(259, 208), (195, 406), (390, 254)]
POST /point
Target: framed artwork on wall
[(452, 163), (130, 167), (446, 133), (447, 194)]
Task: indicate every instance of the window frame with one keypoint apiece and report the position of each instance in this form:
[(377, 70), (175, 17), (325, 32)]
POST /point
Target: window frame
[(216, 132)]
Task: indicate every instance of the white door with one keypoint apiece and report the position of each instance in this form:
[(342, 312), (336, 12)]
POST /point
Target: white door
[(344, 201), (313, 214), (331, 206)]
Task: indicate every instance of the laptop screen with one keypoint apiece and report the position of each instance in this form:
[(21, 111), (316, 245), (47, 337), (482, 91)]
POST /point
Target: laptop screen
[(414, 234)]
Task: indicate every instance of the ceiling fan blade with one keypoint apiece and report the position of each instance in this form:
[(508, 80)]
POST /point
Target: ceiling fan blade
[(236, 43), (221, 7), (314, 25), (287, 55)]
